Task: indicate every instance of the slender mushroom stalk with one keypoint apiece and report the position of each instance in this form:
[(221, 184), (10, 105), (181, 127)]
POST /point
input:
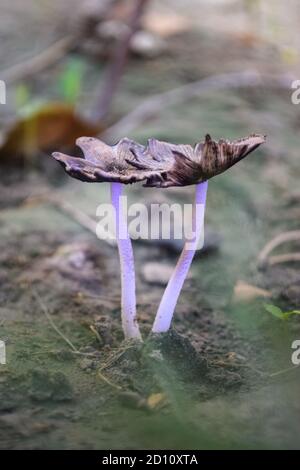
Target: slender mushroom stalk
[(169, 300), (128, 306)]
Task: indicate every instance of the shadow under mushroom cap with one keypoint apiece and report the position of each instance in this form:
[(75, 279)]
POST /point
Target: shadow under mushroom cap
[(159, 164)]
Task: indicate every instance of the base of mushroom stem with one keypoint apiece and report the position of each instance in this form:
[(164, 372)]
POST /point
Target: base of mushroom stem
[(174, 347), (160, 350)]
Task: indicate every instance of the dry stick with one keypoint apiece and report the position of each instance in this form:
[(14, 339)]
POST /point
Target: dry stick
[(74, 349), (153, 105), (45, 310), (116, 357), (83, 219), (285, 258), (39, 62), (108, 382), (284, 237), (48, 316), (115, 71), (96, 333), (283, 371), (76, 214)]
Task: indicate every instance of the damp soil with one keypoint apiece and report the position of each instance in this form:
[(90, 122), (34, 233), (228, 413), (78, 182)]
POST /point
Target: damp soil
[(221, 378), (100, 391)]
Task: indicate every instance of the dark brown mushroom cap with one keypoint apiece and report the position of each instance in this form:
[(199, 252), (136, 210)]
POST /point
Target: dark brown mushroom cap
[(159, 164)]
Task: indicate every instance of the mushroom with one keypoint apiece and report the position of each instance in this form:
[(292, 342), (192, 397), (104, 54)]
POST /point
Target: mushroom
[(104, 163), (161, 165)]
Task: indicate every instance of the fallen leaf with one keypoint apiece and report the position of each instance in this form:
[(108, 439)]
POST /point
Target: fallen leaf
[(52, 126), (156, 401), (244, 292)]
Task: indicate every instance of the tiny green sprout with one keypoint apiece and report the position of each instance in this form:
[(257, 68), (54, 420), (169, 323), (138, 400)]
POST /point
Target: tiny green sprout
[(22, 95), (70, 81), (278, 313)]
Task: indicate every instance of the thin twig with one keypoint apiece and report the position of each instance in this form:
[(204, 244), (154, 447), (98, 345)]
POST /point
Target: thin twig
[(74, 349), (153, 105), (106, 380), (285, 258), (283, 371), (83, 219), (76, 214), (80, 353), (79, 216), (96, 333), (115, 70), (115, 357), (48, 316), (284, 237), (104, 298), (36, 64), (222, 363)]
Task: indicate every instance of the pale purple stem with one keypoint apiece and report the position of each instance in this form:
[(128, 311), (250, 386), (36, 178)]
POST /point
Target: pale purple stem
[(129, 322), (169, 300)]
